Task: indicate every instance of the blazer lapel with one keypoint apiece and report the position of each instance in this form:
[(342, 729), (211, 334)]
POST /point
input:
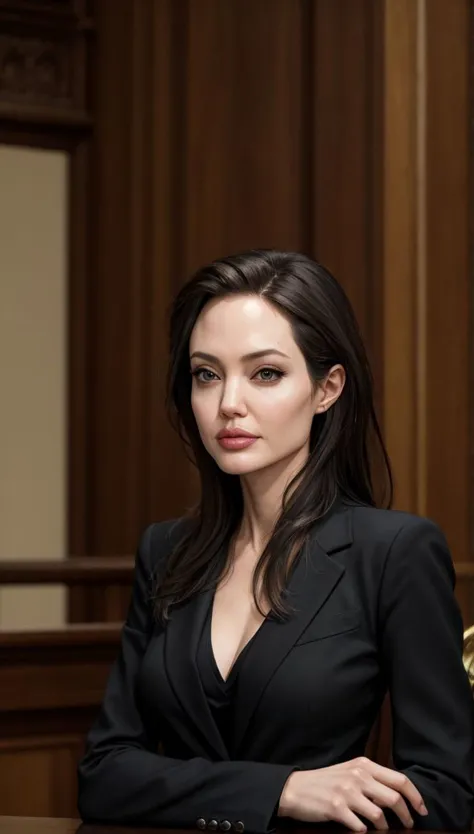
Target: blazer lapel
[(314, 578), (181, 643)]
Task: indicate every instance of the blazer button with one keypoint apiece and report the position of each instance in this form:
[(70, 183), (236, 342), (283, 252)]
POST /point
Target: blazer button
[(239, 827), (225, 825), (201, 824), (212, 825)]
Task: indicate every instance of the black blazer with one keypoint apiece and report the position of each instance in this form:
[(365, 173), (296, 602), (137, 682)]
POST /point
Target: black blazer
[(374, 610)]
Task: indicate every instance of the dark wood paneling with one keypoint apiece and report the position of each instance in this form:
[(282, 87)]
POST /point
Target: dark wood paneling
[(425, 276), (398, 275), (47, 767), (121, 322), (346, 66), (448, 313), (245, 147), (51, 686), (230, 132)]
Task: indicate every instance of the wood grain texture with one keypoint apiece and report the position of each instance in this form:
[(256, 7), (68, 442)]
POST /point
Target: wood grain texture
[(448, 310), (427, 315), (400, 245), (51, 687)]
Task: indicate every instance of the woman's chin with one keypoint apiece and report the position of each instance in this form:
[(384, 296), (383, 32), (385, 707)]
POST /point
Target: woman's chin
[(235, 464)]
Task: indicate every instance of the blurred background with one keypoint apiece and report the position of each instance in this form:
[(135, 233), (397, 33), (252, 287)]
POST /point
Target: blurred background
[(138, 140)]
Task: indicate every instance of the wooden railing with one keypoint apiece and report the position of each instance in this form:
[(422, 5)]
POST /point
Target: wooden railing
[(104, 580), (52, 682), (77, 570), (112, 577)]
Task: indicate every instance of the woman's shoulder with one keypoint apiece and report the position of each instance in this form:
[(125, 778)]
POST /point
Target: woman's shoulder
[(403, 542), (158, 540), (387, 525)]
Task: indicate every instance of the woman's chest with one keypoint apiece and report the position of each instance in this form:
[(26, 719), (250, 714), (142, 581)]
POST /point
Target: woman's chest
[(235, 621)]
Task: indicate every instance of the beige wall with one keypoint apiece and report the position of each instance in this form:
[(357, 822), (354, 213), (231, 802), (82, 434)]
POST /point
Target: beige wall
[(33, 303)]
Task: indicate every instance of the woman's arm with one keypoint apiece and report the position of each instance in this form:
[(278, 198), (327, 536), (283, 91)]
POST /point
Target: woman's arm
[(121, 777), (421, 644)]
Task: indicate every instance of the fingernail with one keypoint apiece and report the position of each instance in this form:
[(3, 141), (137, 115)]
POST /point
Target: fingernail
[(410, 823), (423, 809)]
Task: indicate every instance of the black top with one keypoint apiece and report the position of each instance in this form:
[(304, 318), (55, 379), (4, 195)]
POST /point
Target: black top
[(220, 693)]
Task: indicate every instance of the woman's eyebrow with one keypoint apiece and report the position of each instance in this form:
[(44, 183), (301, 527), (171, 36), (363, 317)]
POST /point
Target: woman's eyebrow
[(256, 354)]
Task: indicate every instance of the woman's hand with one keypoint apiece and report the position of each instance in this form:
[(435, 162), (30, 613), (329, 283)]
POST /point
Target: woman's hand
[(341, 792)]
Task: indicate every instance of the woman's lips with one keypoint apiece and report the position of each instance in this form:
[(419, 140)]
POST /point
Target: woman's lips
[(236, 443)]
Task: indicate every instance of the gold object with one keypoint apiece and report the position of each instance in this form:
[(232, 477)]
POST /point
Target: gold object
[(468, 654)]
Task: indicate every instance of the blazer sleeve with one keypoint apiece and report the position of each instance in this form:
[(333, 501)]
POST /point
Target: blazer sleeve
[(121, 777), (431, 701)]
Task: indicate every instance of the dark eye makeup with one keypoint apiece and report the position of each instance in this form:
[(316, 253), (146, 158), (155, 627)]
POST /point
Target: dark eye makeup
[(277, 375)]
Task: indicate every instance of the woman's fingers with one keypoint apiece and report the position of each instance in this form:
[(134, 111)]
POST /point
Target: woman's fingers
[(388, 798), (370, 811), (400, 783), (346, 817)]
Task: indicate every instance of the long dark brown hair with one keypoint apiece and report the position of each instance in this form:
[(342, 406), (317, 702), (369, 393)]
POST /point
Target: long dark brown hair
[(343, 440)]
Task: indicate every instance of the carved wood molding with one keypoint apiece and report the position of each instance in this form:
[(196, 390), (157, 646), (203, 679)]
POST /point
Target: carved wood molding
[(44, 62)]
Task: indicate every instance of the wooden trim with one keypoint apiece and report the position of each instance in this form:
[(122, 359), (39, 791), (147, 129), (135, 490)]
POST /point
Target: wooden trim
[(43, 742), (347, 70), (38, 825), (49, 117), (464, 570), (447, 475), (73, 571), (425, 264), (84, 635), (79, 344), (399, 250)]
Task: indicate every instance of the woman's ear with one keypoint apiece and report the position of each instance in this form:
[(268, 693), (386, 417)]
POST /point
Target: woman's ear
[(330, 389)]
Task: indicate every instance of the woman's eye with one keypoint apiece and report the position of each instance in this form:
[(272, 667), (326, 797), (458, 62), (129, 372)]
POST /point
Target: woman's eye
[(266, 375), (198, 374), (270, 374)]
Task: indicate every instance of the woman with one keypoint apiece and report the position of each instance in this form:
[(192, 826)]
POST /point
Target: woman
[(266, 626)]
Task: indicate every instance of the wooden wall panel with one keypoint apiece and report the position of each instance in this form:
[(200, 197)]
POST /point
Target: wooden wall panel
[(398, 275), (245, 148), (345, 109), (51, 687), (38, 778), (425, 278), (448, 497), (234, 129)]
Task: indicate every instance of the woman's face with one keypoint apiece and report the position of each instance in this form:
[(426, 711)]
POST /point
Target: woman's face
[(270, 396)]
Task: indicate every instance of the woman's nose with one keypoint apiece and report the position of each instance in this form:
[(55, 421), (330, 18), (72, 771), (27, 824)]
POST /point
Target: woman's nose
[(232, 401)]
